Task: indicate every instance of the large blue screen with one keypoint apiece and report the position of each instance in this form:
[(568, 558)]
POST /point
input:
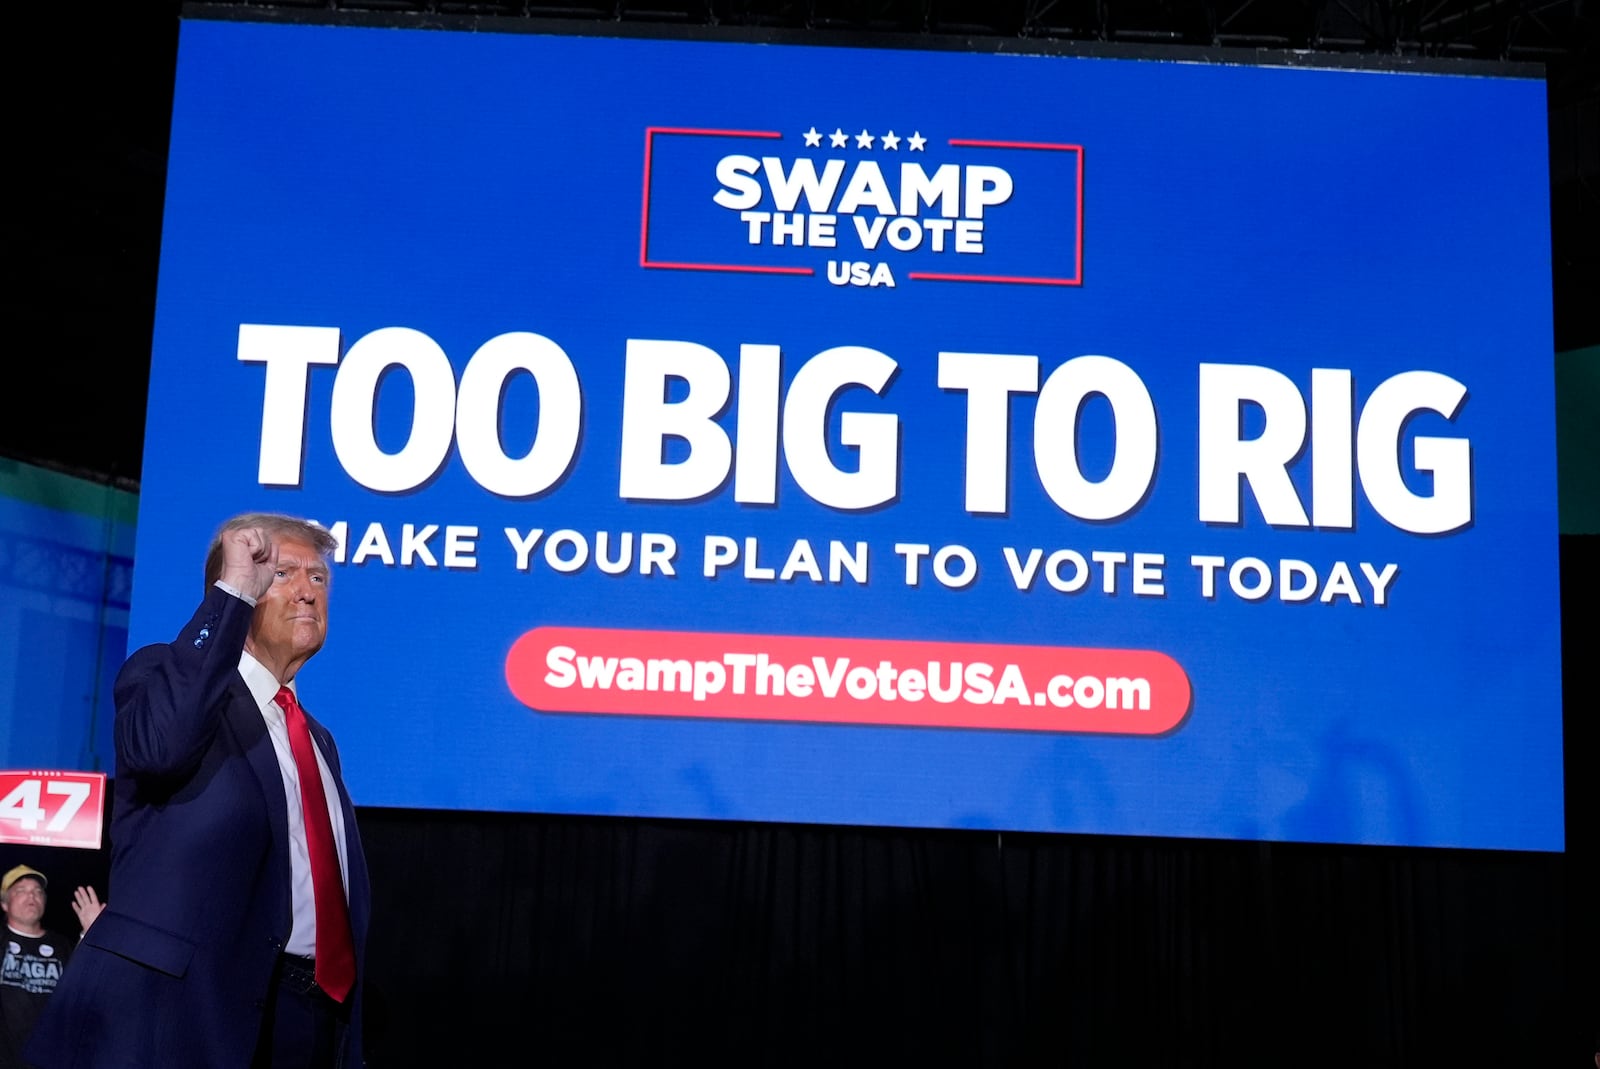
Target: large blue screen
[(892, 437)]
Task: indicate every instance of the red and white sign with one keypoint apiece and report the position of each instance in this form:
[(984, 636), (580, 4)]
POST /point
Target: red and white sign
[(848, 681), (52, 808)]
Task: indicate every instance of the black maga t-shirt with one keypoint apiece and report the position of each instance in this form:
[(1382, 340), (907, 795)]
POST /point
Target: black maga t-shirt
[(33, 964)]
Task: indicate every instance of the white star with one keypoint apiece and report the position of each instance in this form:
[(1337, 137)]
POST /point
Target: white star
[(813, 139), (891, 141), (863, 140), (838, 139), (916, 141)]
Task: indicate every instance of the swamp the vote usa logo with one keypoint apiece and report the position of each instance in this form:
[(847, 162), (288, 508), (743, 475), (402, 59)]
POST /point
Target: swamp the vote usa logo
[(867, 204)]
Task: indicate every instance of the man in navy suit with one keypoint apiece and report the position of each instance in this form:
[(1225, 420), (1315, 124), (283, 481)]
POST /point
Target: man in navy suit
[(238, 901)]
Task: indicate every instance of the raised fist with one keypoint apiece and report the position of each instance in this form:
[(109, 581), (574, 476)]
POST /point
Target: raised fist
[(249, 559)]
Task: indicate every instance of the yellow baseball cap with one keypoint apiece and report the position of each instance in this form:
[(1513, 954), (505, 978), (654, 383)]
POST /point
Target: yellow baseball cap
[(15, 874)]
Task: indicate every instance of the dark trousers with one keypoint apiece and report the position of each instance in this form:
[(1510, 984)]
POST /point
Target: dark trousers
[(302, 1028)]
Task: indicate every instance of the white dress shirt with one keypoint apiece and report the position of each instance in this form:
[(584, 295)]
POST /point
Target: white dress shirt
[(264, 688)]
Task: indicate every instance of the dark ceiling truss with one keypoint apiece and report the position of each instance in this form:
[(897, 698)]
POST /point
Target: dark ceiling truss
[(1526, 30)]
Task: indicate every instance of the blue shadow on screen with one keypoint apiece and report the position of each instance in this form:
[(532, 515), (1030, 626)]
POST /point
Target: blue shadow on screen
[(66, 569)]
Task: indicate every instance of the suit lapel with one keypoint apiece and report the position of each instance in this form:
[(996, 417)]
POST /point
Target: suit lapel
[(243, 718)]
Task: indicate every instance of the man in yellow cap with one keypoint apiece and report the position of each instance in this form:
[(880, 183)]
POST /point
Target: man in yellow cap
[(34, 957)]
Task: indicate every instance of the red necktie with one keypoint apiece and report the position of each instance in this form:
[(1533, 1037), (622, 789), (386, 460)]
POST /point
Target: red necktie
[(336, 955)]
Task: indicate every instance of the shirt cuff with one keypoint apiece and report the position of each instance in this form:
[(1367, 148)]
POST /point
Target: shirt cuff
[(227, 588)]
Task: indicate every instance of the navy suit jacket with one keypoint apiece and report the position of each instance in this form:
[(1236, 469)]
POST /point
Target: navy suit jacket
[(176, 971)]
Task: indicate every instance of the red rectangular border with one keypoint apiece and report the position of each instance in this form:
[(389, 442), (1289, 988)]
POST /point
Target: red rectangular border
[(924, 276)]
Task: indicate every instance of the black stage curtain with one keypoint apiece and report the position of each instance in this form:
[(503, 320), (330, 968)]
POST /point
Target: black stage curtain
[(587, 942), (511, 940)]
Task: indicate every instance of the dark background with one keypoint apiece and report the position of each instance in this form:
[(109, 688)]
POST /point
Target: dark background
[(525, 939)]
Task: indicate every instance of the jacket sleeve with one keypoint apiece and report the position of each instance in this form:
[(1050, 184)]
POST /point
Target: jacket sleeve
[(169, 697)]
